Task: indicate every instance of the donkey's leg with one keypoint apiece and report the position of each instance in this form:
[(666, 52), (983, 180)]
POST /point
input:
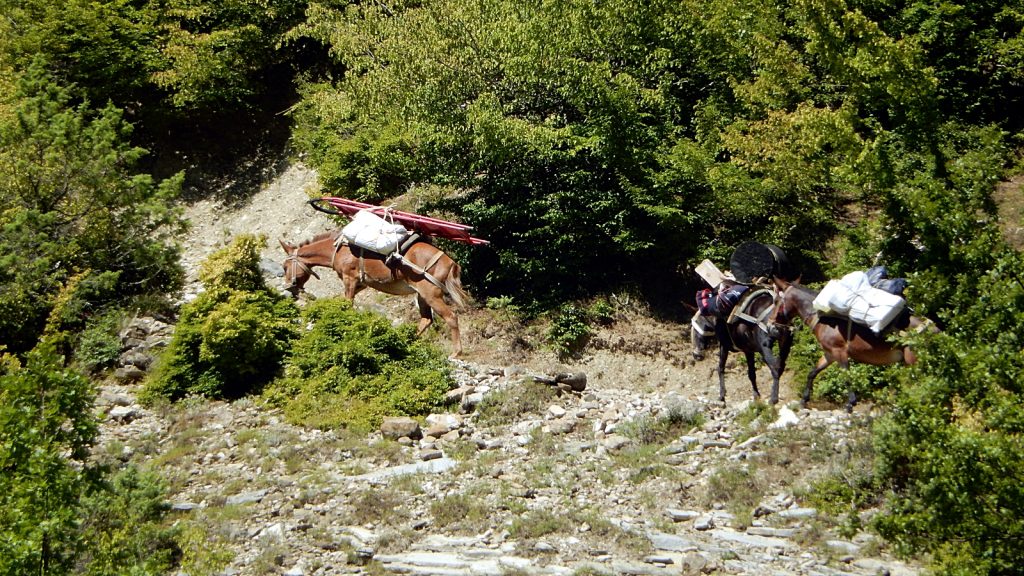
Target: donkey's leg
[(426, 315), (785, 345), (434, 298), (823, 363), (723, 354), (774, 365), (752, 372), (851, 397), (349, 282)]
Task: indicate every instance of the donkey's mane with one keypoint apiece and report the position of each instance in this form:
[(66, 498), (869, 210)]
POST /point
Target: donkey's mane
[(805, 289), (321, 236)]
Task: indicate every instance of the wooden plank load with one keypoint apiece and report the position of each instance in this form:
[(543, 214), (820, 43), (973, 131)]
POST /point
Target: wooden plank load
[(422, 224)]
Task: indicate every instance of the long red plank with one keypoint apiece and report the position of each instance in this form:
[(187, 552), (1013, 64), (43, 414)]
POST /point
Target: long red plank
[(422, 224)]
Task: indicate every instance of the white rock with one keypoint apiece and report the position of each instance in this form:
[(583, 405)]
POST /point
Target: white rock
[(786, 418)]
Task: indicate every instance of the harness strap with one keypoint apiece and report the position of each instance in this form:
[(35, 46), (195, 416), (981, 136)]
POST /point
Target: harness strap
[(849, 331), (739, 312), (433, 261), (813, 322), (294, 257), (408, 242), (362, 265), (424, 271), (338, 243)]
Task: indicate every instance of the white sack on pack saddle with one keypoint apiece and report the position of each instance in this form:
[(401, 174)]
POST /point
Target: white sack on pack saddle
[(370, 231), (853, 296)]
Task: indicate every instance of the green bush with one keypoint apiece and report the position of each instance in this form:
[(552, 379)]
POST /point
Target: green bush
[(235, 267), (350, 369), (60, 513), (75, 211), (99, 345), (570, 330), (124, 528), (233, 338), (46, 431)]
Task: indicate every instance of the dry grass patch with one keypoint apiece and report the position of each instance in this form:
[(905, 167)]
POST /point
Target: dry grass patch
[(379, 506), (536, 524), (739, 486), (461, 513), (510, 405)]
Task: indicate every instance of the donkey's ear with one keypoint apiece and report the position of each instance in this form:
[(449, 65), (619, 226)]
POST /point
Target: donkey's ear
[(286, 245)]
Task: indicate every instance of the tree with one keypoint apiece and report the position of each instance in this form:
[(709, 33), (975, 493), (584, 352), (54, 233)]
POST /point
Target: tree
[(73, 206), (46, 430)]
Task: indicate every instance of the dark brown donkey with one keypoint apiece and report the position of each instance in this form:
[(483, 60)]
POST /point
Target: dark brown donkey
[(841, 340), (423, 269), (750, 330)]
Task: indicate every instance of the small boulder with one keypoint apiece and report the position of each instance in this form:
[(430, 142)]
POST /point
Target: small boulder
[(396, 427)]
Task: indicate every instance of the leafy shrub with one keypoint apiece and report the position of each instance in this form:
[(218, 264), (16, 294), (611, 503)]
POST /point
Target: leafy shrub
[(602, 311), (59, 512), (506, 306), (570, 330), (231, 339), (46, 430), (75, 206), (99, 345), (351, 368), (124, 529), (235, 267)]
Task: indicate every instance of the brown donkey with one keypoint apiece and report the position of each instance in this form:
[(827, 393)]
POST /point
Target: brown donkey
[(423, 270), (841, 340)]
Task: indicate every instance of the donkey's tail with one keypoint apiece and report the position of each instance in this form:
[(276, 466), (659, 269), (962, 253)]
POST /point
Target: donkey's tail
[(453, 286)]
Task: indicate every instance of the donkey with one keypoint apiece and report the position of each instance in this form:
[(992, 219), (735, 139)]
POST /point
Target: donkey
[(422, 269)]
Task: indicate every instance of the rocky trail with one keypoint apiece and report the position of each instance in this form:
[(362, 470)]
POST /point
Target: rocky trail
[(524, 478)]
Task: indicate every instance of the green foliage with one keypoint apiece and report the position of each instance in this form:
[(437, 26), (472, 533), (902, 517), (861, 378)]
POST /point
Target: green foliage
[(952, 443), (593, 140), (233, 337), (570, 330), (350, 369), (46, 430), (99, 344), (757, 415), (74, 208), (59, 512), (124, 527), (214, 52), (602, 311), (506, 305), (236, 268), (194, 53)]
